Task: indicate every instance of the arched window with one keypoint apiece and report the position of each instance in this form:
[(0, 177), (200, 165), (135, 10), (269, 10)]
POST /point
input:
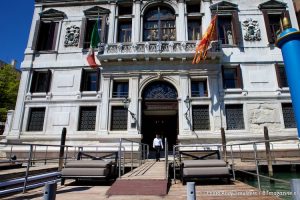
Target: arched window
[(160, 90), (159, 24)]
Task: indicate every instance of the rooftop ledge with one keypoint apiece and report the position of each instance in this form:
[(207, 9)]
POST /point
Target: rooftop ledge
[(155, 50)]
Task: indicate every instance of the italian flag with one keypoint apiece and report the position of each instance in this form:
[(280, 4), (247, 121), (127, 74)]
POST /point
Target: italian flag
[(95, 40)]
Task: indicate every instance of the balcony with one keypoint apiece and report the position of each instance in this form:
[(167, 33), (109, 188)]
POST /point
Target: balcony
[(155, 50)]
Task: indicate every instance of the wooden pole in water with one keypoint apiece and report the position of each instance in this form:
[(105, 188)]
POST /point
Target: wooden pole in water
[(268, 151), (224, 144), (62, 148)]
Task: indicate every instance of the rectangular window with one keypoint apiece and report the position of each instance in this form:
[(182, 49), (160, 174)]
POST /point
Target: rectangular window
[(234, 117), (87, 118), (47, 35), (199, 88), (273, 22), (124, 31), (120, 89), (288, 115), (194, 29), (41, 81), (36, 119), (232, 77), (90, 23), (281, 76), (225, 30), (119, 117), (201, 117), (229, 29), (90, 80)]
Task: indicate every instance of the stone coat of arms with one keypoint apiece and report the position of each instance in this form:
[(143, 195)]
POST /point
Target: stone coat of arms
[(252, 31)]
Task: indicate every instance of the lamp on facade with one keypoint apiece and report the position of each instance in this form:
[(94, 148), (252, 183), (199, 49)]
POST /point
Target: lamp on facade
[(187, 102), (126, 102)]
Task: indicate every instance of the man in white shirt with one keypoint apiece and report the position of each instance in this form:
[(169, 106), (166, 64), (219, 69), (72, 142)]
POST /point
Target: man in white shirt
[(157, 145)]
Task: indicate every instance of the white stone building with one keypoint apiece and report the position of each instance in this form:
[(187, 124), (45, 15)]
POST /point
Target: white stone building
[(146, 53)]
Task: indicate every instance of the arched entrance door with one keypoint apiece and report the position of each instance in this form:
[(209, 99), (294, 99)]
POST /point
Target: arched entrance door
[(160, 112)]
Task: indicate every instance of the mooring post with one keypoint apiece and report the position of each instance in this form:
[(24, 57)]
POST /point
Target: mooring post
[(50, 191), (190, 191), (62, 148), (268, 151), (224, 144), (295, 188)]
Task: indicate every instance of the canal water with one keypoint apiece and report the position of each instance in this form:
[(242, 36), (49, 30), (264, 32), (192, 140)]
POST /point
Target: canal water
[(279, 189)]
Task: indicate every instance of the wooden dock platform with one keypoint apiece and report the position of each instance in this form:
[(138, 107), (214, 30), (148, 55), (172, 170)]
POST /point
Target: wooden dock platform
[(149, 177)]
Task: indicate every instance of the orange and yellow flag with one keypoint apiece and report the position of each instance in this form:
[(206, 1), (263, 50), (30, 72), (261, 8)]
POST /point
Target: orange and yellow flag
[(201, 49)]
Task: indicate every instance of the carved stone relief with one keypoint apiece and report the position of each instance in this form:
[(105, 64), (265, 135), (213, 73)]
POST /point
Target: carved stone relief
[(252, 30), (72, 36)]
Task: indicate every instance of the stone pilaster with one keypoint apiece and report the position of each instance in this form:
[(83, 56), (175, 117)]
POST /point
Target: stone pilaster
[(134, 105), (180, 22), (136, 23), (18, 119), (205, 9), (104, 108), (112, 23), (184, 122)]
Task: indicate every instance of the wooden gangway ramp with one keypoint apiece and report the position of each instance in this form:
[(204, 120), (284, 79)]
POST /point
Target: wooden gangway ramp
[(148, 179)]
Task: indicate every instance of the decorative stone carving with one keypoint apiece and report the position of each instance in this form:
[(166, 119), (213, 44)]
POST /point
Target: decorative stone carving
[(252, 30), (72, 36)]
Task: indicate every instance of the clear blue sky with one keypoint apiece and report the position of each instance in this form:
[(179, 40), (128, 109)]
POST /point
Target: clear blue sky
[(15, 22)]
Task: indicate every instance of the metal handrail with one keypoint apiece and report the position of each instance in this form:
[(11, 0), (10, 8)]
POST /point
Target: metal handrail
[(33, 148), (143, 153), (256, 159), (166, 159)]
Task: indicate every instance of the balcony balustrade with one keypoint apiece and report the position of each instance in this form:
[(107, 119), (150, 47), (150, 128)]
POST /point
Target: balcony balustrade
[(155, 49)]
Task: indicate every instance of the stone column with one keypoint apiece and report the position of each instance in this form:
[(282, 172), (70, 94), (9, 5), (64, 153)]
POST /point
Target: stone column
[(112, 23), (136, 23), (205, 9), (180, 22), (104, 108)]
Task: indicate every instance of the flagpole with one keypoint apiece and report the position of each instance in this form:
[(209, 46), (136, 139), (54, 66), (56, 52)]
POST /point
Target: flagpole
[(217, 26)]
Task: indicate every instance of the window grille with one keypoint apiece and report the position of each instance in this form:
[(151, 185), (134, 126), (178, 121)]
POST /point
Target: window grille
[(87, 119), (201, 117), (119, 117), (234, 117), (288, 115), (36, 119)]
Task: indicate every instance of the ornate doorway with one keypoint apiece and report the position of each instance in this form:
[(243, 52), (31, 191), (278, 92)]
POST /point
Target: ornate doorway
[(160, 112)]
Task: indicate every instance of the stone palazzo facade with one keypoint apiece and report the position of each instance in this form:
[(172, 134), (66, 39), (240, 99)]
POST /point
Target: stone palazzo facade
[(147, 83)]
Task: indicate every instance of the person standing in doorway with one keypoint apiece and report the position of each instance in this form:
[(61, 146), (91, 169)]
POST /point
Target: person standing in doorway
[(158, 146)]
